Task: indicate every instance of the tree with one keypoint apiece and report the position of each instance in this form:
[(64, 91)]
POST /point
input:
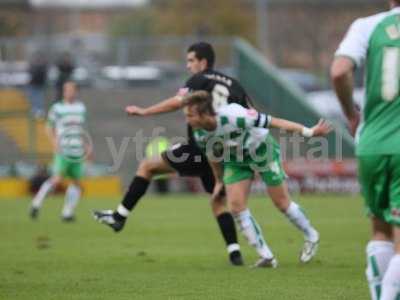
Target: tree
[(187, 17), (137, 23)]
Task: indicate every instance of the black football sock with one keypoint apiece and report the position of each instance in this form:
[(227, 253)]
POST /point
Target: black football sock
[(228, 229), (136, 190)]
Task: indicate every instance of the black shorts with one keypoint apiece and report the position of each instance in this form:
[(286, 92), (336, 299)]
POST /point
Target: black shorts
[(188, 160)]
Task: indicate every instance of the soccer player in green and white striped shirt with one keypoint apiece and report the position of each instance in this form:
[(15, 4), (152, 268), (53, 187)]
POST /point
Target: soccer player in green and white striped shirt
[(240, 139), (375, 43), (66, 130)]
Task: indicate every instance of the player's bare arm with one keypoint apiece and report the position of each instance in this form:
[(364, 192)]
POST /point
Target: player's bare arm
[(343, 83), (321, 128), (168, 105), (218, 172), (89, 151), (51, 133)]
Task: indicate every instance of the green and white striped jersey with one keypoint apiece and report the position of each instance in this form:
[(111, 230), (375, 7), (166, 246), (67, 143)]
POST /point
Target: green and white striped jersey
[(375, 42), (68, 120), (238, 130)]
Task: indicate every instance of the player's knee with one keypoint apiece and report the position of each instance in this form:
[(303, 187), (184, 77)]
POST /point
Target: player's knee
[(236, 206), (381, 230), (56, 180), (218, 205), (382, 235), (146, 169)]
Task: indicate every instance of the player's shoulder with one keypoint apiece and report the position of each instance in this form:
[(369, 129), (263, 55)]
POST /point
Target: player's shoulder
[(195, 80), (369, 22), (56, 106), (80, 107), (80, 104), (76, 106), (231, 109), (196, 76), (219, 77)]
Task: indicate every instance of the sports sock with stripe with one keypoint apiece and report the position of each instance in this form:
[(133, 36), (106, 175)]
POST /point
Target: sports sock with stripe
[(379, 254), (391, 280), (252, 231)]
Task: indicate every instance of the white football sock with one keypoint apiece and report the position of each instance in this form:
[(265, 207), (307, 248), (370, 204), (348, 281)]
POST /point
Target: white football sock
[(123, 211), (252, 231), (72, 196), (44, 190), (391, 280), (296, 215), (379, 254), (233, 247)]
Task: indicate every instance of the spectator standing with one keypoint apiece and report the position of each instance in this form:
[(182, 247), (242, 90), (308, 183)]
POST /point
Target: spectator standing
[(37, 85), (65, 68)]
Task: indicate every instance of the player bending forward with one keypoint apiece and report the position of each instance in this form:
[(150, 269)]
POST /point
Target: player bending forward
[(242, 137), (65, 128)]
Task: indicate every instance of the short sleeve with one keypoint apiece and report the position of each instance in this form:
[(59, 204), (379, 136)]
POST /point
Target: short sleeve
[(355, 43), (243, 118)]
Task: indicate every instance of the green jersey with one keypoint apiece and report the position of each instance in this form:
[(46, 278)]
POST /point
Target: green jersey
[(239, 131), (375, 42), (242, 139), (68, 120)]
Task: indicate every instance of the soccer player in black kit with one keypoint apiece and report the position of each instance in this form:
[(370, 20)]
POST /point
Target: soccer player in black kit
[(224, 90)]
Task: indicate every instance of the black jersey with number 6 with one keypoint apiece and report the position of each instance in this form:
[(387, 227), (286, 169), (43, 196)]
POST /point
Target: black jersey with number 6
[(224, 90)]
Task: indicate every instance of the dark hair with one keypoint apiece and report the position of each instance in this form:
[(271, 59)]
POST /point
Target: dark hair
[(205, 51), (397, 2), (202, 100)]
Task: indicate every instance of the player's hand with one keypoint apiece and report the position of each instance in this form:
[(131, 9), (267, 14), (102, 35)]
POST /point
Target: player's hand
[(218, 192), (134, 110), (322, 128)]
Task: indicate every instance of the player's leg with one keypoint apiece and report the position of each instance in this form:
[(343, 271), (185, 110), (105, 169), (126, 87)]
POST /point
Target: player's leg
[(270, 167), (373, 176), (59, 167), (73, 193), (148, 168), (379, 251), (188, 160), (295, 214), (71, 200), (391, 279), (223, 216), (238, 183)]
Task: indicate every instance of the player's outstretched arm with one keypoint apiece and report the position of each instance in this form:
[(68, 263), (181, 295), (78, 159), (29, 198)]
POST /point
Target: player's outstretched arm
[(168, 105), (321, 128)]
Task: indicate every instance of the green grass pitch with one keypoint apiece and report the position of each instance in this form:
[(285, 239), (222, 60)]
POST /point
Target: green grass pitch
[(171, 248)]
